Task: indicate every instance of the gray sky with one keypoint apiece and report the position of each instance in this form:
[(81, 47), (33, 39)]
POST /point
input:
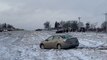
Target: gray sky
[(31, 14)]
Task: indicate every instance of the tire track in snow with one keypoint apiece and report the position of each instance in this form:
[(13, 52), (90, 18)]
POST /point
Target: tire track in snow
[(79, 55), (90, 43)]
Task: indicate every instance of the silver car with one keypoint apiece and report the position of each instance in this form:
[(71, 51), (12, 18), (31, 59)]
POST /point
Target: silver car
[(60, 42)]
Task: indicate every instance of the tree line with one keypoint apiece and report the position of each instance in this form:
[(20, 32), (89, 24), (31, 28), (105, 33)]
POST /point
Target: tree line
[(8, 27), (73, 26)]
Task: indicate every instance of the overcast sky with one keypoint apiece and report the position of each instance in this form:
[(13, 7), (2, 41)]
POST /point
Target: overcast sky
[(31, 14)]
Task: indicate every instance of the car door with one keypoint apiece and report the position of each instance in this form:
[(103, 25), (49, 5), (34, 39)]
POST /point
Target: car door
[(55, 41), (52, 41), (48, 43)]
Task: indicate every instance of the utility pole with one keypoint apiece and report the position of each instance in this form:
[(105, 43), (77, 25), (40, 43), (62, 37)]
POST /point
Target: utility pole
[(106, 20)]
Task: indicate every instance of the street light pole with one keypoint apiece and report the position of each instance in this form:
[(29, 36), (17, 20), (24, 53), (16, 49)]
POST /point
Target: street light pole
[(79, 18)]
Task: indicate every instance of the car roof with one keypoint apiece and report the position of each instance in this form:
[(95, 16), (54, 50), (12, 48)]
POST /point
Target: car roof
[(62, 35)]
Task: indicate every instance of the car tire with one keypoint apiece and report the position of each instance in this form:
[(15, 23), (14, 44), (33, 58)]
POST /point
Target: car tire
[(42, 46), (59, 46)]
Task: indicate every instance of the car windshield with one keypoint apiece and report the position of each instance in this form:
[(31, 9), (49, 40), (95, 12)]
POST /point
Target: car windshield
[(66, 36)]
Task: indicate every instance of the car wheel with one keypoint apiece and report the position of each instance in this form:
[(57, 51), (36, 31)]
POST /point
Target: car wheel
[(59, 46), (42, 46)]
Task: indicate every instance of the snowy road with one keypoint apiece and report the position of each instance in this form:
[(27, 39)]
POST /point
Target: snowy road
[(24, 45)]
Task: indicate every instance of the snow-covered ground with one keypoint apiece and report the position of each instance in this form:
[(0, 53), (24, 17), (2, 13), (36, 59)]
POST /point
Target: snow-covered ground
[(24, 45)]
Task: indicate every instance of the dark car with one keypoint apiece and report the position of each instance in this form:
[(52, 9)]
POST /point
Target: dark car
[(38, 30), (1, 30), (60, 31)]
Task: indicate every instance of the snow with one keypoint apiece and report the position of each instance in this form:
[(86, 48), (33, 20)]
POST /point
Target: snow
[(24, 45)]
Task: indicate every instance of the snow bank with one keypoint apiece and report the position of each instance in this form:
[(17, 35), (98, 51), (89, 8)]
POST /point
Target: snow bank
[(24, 45)]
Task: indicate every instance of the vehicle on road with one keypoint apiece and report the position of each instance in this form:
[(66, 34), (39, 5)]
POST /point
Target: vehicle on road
[(60, 42)]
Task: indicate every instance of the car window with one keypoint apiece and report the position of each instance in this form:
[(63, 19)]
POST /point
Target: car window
[(50, 38), (56, 37), (66, 36)]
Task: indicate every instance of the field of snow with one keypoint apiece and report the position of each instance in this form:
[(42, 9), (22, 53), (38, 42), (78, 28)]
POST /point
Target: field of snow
[(24, 45)]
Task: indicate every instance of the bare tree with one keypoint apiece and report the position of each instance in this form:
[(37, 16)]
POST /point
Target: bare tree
[(56, 25), (87, 26), (68, 25), (62, 24), (74, 25), (103, 25), (47, 25)]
